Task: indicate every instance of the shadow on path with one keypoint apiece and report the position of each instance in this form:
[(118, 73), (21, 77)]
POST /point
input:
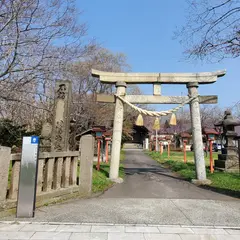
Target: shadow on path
[(228, 192), (160, 171), (146, 178)]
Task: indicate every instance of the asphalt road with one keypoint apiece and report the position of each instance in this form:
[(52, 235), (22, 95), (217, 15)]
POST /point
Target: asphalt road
[(145, 178)]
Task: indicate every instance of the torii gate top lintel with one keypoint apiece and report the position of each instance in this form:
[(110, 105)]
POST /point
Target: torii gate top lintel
[(167, 78)]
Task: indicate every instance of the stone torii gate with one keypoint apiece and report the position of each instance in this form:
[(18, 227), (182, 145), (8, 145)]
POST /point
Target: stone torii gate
[(191, 80)]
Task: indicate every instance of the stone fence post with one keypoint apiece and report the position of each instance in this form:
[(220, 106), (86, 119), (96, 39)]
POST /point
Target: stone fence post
[(5, 157), (86, 149)]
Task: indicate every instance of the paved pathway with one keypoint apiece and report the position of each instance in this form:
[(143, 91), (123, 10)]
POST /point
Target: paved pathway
[(145, 178), (150, 195), (53, 231)]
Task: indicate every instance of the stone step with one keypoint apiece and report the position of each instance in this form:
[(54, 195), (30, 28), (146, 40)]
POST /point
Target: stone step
[(132, 146), (220, 163), (231, 170), (229, 166), (228, 157)]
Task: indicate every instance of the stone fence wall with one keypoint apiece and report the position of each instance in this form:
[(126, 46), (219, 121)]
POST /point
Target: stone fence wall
[(58, 174)]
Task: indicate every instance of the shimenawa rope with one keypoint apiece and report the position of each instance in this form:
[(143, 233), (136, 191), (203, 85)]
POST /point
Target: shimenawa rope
[(155, 113)]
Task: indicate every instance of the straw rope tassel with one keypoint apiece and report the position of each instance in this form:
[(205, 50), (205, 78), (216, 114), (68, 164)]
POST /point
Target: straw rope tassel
[(156, 125), (173, 120), (139, 121)]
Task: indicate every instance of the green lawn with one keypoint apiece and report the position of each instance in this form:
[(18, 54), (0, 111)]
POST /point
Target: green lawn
[(228, 183), (100, 181), (100, 178), (122, 155), (178, 156)]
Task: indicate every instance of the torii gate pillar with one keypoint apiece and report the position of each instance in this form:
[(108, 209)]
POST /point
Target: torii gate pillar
[(117, 132), (197, 134)]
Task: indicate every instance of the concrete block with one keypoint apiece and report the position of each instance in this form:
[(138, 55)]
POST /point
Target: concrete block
[(16, 235), (174, 230), (50, 236), (39, 228), (142, 229), (207, 237), (126, 236), (226, 237), (209, 231), (107, 228), (89, 236), (10, 227), (155, 236), (233, 231), (74, 228), (5, 157)]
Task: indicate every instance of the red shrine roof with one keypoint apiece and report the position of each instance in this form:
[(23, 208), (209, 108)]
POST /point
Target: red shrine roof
[(108, 133), (185, 135), (210, 131)]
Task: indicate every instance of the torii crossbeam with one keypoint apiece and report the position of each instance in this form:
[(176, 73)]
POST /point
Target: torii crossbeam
[(191, 80)]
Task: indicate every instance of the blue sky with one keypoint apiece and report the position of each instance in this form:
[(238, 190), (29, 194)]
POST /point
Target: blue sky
[(143, 30)]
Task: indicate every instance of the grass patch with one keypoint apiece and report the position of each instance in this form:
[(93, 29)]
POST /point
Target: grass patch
[(228, 183), (178, 156), (122, 155), (100, 181)]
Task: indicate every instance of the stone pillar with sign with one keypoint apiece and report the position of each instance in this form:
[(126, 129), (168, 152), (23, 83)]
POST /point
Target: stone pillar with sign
[(61, 121)]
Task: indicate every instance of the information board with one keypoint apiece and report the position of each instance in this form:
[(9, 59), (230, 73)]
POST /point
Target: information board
[(28, 177)]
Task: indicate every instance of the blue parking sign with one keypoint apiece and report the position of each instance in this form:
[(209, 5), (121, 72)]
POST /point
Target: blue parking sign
[(34, 140)]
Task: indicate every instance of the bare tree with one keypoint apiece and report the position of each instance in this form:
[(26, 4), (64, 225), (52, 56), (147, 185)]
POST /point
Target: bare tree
[(210, 115), (86, 111), (212, 29), (37, 37), (39, 40)]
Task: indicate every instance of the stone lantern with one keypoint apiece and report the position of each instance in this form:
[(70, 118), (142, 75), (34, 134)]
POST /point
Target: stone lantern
[(229, 159)]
